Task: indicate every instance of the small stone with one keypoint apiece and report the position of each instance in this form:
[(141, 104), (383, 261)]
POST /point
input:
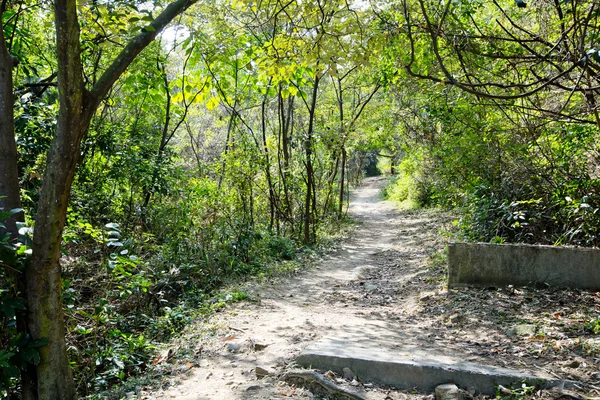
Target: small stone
[(424, 297), (369, 287), (457, 319), (252, 388), (448, 391), (573, 364), (261, 372), (348, 374), (233, 347), (259, 346)]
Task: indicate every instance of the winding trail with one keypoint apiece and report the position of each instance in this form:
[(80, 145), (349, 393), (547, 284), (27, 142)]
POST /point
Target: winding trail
[(359, 292)]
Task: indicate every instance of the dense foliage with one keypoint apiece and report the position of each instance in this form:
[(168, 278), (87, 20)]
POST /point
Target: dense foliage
[(505, 121), (231, 141)]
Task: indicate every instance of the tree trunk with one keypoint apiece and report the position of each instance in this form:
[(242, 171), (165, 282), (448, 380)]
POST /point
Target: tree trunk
[(44, 283), (9, 189), (164, 140), (9, 178), (342, 183), (263, 119), (309, 200), (77, 107), (284, 148)]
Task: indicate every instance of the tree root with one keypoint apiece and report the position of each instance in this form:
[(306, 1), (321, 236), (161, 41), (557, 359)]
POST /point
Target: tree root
[(323, 383)]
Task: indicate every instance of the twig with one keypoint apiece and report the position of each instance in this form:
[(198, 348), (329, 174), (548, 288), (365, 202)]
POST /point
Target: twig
[(325, 383)]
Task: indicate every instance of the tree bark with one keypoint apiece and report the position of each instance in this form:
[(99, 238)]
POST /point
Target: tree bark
[(9, 188), (263, 119), (44, 283), (310, 198), (342, 183), (9, 178)]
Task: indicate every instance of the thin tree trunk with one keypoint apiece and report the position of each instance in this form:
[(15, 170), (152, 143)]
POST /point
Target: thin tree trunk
[(268, 163), (163, 141), (343, 134), (342, 182), (9, 178), (9, 189), (284, 147), (330, 182), (309, 201)]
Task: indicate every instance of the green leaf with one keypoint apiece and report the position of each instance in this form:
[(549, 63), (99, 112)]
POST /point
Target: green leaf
[(149, 28), (119, 363), (30, 355), (8, 310)]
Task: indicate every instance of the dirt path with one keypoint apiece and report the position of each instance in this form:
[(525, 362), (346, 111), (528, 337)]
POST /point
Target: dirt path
[(355, 285), (378, 287)]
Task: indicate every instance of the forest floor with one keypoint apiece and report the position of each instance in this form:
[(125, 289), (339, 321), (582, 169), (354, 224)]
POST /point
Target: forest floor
[(386, 281)]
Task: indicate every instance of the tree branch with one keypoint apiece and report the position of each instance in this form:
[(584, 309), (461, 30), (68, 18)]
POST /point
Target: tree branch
[(130, 52)]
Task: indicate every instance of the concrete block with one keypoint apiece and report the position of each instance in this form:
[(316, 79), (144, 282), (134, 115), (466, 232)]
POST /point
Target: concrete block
[(485, 264), (414, 368)]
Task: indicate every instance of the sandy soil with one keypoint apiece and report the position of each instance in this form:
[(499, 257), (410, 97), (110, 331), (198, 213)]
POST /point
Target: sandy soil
[(384, 284)]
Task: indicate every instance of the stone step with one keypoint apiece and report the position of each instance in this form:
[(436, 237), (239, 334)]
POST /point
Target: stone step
[(415, 368)]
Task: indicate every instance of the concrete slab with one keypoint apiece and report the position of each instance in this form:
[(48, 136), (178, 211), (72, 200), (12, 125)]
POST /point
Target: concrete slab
[(486, 264), (415, 368)]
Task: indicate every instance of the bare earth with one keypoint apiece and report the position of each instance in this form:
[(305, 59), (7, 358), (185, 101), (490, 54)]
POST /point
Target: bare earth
[(381, 287)]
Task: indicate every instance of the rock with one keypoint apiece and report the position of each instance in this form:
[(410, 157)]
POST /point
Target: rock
[(252, 388), (424, 297), (369, 287), (203, 363), (233, 347), (259, 346), (573, 364), (262, 372), (457, 319), (448, 391), (348, 374), (522, 330)]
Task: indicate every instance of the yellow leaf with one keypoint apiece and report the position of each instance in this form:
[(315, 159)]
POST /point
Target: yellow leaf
[(212, 103), (178, 98)]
